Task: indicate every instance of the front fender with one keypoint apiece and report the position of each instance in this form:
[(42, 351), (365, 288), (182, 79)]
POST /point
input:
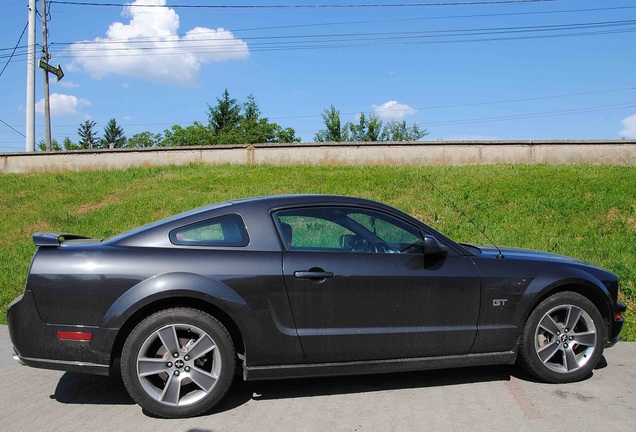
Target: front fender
[(553, 281), (176, 284)]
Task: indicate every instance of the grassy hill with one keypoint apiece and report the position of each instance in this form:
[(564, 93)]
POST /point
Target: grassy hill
[(588, 212)]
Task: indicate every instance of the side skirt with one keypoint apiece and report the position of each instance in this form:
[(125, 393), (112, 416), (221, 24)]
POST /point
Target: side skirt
[(251, 373)]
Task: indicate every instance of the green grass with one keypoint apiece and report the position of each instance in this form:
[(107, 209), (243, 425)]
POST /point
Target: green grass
[(588, 212)]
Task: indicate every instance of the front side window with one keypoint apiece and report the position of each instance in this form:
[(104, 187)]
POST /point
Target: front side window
[(344, 229), (226, 230)]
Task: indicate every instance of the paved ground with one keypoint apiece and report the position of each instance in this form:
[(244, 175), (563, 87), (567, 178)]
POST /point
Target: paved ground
[(475, 399)]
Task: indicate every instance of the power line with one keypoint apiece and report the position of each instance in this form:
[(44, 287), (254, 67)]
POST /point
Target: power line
[(496, 102), (360, 43), (434, 107), (534, 115), (379, 35), (430, 18), (14, 49), (143, 39), (505, 118), (399, 20), (344, 40), (12, 128), (529, 116), (309, 6), (457, 121)]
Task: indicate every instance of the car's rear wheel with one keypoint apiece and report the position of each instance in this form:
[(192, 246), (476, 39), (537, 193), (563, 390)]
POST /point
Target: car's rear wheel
[(563, 338), (178, 363)]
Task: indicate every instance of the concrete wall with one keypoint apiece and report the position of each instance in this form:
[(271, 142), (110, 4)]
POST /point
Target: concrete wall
[(417, 153)]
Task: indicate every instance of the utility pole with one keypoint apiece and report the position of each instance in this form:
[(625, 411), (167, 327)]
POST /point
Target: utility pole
[(30, 98), (46, 57)]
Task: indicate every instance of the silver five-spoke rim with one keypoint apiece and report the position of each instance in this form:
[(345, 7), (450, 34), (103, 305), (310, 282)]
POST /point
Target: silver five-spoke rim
[(565, 338), (178, 364)]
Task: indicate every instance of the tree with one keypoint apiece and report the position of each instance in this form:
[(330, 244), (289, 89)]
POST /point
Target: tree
[(145, 140), (88, 137), (333, 132), (254, 129), (251, 110), (374, 128), (230, 122), (257, 129), (400, 131), (70, 145), (193, 135), (113, 136), (55, 146), (285, 135), (367, 129), (225, 115)]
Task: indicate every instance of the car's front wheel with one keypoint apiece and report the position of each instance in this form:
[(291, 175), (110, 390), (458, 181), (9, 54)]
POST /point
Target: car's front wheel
[(178, 362), (563, 338)]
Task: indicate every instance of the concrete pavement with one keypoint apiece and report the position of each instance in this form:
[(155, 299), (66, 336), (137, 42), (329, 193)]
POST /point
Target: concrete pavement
[(476, 399)]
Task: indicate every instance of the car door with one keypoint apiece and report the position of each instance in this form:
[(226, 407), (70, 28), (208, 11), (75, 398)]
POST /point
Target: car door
[(361, 288)]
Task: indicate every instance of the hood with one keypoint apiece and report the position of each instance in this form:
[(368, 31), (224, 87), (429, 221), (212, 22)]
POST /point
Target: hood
[(528, 255)]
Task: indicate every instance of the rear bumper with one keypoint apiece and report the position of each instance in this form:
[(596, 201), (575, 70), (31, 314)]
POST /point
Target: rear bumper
[(19, 360), (36, 343), (81, 367)]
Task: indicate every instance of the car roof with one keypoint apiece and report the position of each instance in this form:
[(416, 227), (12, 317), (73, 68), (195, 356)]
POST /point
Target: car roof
[(253, 211), (238, 206)]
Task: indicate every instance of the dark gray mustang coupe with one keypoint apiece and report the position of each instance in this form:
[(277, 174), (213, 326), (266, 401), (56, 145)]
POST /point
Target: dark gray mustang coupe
[(301, 286)]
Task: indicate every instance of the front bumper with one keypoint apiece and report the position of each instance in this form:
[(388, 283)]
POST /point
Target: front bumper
[(36, 343), (616, 326)]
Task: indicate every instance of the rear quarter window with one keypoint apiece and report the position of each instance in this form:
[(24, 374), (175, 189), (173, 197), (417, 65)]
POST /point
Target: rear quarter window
[(226, 230)]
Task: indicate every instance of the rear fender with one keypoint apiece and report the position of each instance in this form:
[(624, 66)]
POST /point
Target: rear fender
[(175, 285)]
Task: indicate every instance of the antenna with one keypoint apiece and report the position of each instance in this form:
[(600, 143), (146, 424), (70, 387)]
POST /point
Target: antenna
[(461, 212)]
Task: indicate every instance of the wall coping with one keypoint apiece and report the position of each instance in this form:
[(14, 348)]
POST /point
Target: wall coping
[(335, 144)]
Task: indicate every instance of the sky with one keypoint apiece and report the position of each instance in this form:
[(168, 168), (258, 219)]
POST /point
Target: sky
[(463, 70)]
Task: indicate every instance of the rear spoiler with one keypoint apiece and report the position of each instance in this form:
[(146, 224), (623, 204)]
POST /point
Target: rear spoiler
[(53, 238)]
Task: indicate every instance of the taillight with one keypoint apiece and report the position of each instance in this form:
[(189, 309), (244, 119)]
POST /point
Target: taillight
[(76, 336)]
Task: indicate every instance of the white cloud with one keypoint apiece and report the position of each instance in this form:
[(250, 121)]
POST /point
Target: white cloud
[(393, 110), (68, 84), (62, 105), (629, 124), (150, 47)]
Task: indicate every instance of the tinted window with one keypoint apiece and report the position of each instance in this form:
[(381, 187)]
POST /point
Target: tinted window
[(222, 231), (344, 229)]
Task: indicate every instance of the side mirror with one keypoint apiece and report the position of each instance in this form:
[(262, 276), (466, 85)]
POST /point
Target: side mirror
[(433, 248)]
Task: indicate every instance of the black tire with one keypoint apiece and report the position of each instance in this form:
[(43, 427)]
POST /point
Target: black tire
[(178, 363), (563, 338)]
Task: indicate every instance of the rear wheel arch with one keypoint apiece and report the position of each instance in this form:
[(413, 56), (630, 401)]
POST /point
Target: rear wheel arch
[(176, 302), (178, 362)]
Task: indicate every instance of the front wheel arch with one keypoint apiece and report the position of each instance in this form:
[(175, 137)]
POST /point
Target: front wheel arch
[(594, 295), (557, 349)]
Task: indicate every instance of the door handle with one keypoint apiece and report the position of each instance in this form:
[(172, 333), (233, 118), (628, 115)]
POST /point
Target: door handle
[(313, 274)]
